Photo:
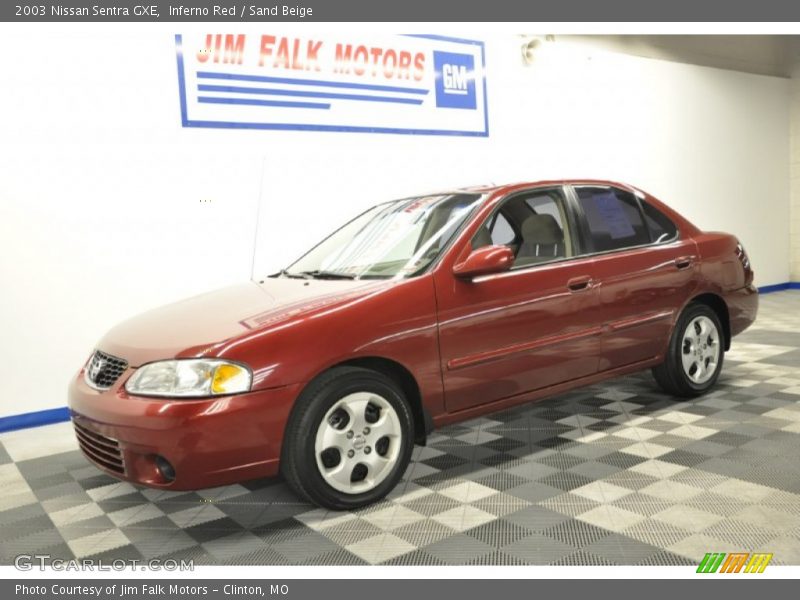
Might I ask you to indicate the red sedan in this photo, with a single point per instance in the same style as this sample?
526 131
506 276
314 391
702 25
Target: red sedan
417 313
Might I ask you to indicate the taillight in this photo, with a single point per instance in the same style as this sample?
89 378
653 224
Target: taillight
742 256
745 260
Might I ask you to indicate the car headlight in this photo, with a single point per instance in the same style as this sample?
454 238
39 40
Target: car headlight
190 378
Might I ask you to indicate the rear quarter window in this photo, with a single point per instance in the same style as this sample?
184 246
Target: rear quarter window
662 229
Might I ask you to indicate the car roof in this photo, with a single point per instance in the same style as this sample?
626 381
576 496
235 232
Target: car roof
492 188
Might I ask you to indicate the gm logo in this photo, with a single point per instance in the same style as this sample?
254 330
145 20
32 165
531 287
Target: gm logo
455 80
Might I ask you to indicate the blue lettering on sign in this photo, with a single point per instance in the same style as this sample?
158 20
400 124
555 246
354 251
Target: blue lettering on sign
455 80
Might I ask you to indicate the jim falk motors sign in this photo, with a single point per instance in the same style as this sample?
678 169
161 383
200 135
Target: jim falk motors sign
412 84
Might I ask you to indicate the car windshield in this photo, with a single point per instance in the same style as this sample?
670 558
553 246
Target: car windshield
396 239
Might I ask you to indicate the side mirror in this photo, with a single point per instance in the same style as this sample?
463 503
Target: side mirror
485 261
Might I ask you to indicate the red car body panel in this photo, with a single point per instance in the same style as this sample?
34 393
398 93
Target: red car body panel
469 347
211 441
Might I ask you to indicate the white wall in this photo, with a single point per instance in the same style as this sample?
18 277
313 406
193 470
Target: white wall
795 176
100 188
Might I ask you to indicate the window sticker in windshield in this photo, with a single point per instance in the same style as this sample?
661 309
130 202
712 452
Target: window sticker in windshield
388 238
421 203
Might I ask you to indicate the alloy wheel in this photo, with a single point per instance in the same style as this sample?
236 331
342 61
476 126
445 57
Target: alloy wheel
700 350
358 442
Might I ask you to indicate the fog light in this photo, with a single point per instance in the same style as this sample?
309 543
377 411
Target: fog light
165 469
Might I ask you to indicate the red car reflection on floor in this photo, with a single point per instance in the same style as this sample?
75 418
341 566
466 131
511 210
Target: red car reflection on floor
417 313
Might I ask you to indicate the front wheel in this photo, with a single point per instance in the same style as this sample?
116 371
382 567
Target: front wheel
349 439
695 354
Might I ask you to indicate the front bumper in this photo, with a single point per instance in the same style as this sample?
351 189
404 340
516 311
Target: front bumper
209 442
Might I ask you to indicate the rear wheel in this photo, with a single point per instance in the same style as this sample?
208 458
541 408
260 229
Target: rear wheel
695 354
349 439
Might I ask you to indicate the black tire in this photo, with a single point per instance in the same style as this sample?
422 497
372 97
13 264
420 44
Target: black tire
299 463
671 374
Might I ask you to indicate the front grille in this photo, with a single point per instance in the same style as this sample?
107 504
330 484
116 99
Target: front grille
100 449
103 370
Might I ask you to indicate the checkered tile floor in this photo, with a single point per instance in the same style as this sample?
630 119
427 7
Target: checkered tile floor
616 473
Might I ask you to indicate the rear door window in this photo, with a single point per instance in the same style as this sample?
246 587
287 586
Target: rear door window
613 217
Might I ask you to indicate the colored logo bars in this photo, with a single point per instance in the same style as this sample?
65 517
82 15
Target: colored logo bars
736 562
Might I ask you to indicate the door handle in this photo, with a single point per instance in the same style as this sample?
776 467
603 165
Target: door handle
684 262
579 284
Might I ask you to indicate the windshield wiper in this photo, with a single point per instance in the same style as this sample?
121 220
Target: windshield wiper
318 274
285 273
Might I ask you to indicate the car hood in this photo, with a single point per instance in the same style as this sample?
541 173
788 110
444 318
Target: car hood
193 326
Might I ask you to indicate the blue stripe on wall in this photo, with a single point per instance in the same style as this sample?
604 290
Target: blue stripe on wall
59 415
779 287
34 419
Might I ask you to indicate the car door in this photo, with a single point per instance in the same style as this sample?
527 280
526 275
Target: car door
534 326
644 272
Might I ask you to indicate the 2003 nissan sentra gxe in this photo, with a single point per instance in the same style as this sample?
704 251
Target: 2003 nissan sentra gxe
419 312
